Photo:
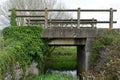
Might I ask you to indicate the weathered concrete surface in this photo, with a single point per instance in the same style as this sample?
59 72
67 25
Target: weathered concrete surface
64 32
80 60
82 38
88 51
68 42
107 30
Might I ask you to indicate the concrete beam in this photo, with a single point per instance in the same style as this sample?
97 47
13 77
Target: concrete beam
67 42
67 32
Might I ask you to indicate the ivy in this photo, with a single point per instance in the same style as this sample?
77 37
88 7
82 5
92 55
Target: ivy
13 18
23 45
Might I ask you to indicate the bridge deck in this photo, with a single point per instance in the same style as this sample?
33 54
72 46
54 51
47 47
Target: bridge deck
67 32
64 32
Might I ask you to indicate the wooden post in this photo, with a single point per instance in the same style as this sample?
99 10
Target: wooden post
71 23
46 18
50 23
78 18
111 18
29 22
93 22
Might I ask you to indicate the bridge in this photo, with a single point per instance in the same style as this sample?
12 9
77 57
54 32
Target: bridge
71 32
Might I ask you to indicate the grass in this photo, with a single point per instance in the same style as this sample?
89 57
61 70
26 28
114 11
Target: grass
62 58
53 76
65 49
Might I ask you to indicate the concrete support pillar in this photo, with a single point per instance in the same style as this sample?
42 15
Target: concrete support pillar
80 61
88 50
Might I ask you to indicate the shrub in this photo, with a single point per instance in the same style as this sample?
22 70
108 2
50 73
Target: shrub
22 45
103 41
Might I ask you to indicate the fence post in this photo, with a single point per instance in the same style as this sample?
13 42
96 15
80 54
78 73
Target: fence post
29 22
71 23
78 18
50 23
93 22
111 18
46 18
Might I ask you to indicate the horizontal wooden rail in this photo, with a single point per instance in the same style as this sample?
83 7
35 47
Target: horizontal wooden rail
29 16
61 19
69 21
65 10
46 21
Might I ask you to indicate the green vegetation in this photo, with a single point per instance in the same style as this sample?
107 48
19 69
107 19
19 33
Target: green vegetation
107 64
62 58
54 76
104 40
23 45
13 18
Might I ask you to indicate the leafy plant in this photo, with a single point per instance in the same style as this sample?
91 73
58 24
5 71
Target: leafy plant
13 18
104 40
23 45
107 65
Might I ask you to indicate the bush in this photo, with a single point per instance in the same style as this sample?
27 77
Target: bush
107 65
101 42
22 45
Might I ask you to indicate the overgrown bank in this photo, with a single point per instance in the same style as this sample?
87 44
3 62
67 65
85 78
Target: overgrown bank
21 45
106 57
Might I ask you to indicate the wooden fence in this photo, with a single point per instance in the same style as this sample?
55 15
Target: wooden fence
46 21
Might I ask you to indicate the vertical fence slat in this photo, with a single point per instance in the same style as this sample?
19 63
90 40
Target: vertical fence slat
111 18
78 18
46 18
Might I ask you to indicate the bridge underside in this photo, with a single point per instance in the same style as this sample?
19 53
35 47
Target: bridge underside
67 42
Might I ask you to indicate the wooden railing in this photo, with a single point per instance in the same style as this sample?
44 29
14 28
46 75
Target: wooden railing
47 22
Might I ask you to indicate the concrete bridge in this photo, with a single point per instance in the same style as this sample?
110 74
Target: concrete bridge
70 32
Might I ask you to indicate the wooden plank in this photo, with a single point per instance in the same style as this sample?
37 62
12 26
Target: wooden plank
64 10
29 16
62 20
72 22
